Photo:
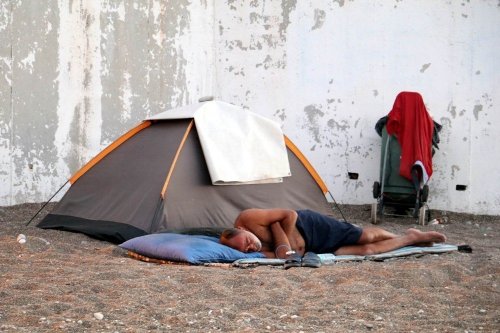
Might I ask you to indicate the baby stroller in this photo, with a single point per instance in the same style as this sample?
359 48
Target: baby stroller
408 133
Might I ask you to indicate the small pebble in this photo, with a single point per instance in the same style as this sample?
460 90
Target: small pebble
98 316
21 238
79 322
482 311
378 318
369 326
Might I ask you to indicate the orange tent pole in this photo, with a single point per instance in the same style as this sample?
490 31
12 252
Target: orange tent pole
306 164
176 157
109 149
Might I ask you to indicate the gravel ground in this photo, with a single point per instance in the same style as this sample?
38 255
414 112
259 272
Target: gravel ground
67 282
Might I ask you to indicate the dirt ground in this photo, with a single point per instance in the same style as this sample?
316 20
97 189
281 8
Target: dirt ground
67 282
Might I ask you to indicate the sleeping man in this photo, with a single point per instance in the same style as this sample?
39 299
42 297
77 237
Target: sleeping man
278 233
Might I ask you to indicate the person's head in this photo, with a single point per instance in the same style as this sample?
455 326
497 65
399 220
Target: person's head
241 240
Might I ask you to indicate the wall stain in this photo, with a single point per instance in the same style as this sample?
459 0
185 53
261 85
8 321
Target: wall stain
221 29
424 67
319 19
255 17
231 6
336 125
143 70
477 108
340 2
280 113
268 62
452 110
287 6
27 99
454 168
236 44
313 113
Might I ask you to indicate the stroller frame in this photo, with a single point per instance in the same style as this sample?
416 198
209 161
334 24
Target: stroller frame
395 191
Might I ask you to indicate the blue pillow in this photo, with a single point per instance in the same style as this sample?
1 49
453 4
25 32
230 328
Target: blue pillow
195 249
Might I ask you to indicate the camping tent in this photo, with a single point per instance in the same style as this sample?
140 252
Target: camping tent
154 178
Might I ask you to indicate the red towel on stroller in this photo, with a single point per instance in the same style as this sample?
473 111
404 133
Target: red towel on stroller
412 125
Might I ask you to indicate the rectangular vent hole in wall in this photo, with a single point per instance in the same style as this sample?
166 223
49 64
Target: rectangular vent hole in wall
353 175
461 187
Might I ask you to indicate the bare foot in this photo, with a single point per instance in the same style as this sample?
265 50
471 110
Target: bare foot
425 238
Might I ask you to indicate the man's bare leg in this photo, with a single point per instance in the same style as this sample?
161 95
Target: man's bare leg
411 237
375 234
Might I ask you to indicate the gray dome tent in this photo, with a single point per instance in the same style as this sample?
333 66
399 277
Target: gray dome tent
155 178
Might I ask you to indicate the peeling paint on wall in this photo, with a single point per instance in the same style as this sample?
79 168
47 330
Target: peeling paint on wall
454 168
287 6
319 19
340 2
477 108
280 113
75 75
79 110
424 67
146 73
334 71
33 98
313 113
452 110
6 134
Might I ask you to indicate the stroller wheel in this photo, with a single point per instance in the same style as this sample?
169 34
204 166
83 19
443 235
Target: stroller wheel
424 194
376 190
373 216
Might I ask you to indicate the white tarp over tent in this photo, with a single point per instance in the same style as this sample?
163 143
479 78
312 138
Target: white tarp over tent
239 146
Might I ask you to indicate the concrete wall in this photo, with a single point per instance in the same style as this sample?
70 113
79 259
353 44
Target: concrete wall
75 75
328 70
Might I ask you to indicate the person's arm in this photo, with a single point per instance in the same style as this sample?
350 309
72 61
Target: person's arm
280 222
250 218
288 221
280 240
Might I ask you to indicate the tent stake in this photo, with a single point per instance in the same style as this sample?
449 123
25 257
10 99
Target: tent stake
46 203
